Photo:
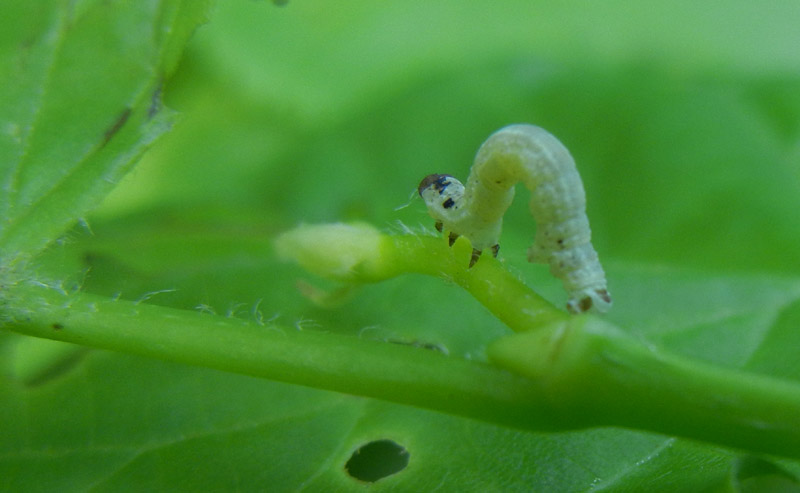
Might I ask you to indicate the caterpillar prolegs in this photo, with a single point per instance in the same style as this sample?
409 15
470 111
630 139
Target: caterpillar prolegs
531 155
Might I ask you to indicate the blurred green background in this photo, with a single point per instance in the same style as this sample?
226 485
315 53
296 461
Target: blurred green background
684 120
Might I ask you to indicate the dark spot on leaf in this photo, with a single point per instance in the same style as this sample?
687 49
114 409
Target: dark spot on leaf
448 203
89 258
57 326
377 460
118 124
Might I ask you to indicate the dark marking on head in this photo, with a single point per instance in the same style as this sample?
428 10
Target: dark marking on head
439 226
451 238
118 124
57 326
603 294
476 254
439 182
495 250
448 203
585 304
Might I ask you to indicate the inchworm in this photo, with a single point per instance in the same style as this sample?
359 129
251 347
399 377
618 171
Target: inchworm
531 155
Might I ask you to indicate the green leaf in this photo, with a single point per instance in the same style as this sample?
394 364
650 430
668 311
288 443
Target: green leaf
81 102
683 119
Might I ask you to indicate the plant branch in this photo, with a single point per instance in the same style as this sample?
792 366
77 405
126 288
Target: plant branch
403 374
571 372
594 372
359 254
591 372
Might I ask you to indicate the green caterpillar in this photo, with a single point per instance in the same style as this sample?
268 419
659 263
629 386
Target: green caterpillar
531 155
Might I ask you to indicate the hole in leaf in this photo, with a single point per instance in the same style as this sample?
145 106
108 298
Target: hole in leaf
376 460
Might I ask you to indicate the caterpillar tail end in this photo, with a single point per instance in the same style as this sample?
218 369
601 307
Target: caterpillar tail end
590 300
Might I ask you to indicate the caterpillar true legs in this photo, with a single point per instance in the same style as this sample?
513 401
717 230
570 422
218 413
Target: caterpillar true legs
531 155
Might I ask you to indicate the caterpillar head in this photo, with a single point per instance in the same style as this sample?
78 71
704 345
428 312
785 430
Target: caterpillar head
442 194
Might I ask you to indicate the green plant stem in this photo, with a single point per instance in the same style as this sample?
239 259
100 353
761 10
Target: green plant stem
348 364
596 375
508 298
360 254
592 371
571 372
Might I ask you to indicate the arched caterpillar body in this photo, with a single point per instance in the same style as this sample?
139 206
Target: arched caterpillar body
531 155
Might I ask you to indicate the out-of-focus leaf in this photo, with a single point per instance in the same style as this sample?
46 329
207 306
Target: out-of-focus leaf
80 103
